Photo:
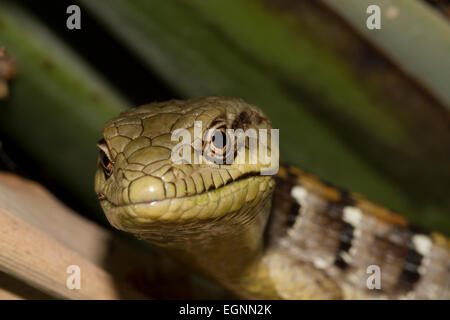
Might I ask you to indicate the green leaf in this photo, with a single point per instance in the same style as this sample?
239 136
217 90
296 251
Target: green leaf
57 105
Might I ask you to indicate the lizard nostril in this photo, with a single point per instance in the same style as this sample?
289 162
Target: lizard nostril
101 196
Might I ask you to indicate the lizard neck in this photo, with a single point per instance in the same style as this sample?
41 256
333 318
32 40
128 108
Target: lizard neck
234 257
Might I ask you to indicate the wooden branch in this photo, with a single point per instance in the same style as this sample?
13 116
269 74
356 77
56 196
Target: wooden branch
36 258
14 289
40 238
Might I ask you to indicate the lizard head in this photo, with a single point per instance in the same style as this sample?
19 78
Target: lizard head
174 168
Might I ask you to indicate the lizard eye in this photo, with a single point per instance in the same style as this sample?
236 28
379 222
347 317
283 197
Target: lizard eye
217 144
105 160
219 140
106 164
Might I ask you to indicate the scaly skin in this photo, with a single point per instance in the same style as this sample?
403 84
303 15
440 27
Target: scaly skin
214 216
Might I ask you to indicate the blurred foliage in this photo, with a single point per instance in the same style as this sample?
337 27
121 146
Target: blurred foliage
57 104
410 32
360 109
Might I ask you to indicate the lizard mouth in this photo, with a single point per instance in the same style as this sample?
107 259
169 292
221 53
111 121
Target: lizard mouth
209 205
212 189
